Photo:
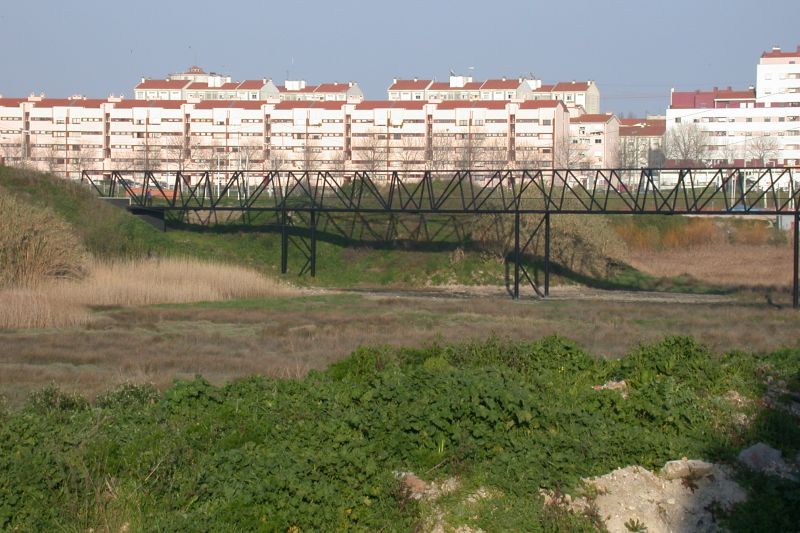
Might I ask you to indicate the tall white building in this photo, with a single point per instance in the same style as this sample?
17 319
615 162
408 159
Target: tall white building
755 126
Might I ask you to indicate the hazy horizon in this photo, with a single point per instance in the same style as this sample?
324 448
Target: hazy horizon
635 52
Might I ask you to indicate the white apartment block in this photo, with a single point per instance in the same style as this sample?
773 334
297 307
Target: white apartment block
463 88
641 142
593 142
195 84
583 96
753 127
64 136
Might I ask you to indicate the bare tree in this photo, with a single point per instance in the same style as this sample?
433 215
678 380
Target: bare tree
441 152
412 153
763 148
175 152
569 153
370 152
633 152
687 144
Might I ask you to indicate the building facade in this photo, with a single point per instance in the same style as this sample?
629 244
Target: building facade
65 136
750 127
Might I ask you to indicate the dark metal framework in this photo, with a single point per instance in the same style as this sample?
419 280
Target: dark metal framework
305 196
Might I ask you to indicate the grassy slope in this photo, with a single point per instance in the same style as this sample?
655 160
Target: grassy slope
110 232
319 453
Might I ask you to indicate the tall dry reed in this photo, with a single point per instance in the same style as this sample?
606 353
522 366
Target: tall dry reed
128 283
36 245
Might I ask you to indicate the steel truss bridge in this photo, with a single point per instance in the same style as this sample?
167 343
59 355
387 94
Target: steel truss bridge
295 200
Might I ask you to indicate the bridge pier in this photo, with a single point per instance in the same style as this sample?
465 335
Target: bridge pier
516 255
796 271
284 243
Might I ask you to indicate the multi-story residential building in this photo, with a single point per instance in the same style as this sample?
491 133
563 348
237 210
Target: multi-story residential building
580 97
575 94
641 142
196 84
324 92
755 126
778 78
594 141
463 88
66 136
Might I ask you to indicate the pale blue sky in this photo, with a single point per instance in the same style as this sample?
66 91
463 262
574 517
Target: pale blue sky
635 50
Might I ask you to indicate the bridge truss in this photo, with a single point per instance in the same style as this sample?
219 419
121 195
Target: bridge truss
294 199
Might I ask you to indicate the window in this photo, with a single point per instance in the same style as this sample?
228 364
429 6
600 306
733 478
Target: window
598 141
547 122
463 122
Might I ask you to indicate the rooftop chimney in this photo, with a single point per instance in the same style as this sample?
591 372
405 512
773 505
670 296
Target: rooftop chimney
776 48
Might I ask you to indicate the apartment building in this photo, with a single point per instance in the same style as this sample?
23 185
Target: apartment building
196 84
754 126
463 88
579 96
641 142
65 136
594 142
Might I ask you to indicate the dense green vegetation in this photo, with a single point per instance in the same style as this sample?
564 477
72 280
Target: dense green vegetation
321 453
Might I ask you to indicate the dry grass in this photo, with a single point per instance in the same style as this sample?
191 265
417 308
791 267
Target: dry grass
65 303
721 264
285 337
36 245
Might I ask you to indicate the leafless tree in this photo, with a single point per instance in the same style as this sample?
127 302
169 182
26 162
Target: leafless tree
569 153
441 152
632 152
412 153
762 148
370 151
687 144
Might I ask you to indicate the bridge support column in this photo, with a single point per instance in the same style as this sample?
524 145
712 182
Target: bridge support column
547 254
516 255
284 243
313 258
796 271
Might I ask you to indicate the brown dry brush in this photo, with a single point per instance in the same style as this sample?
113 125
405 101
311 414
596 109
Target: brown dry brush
36 245
582 244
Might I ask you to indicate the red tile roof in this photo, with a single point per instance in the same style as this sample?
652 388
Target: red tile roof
707 99
251 84
637 127
301 104
439 86
592 118
198 85
544 89
163 84
332 87
540 104
229 104
569 86
410 85
230 86
478 104
500 84
780 53
11 102
166 104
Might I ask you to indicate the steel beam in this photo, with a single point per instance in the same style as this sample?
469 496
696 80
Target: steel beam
516 255
547 254
284 242
796 258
